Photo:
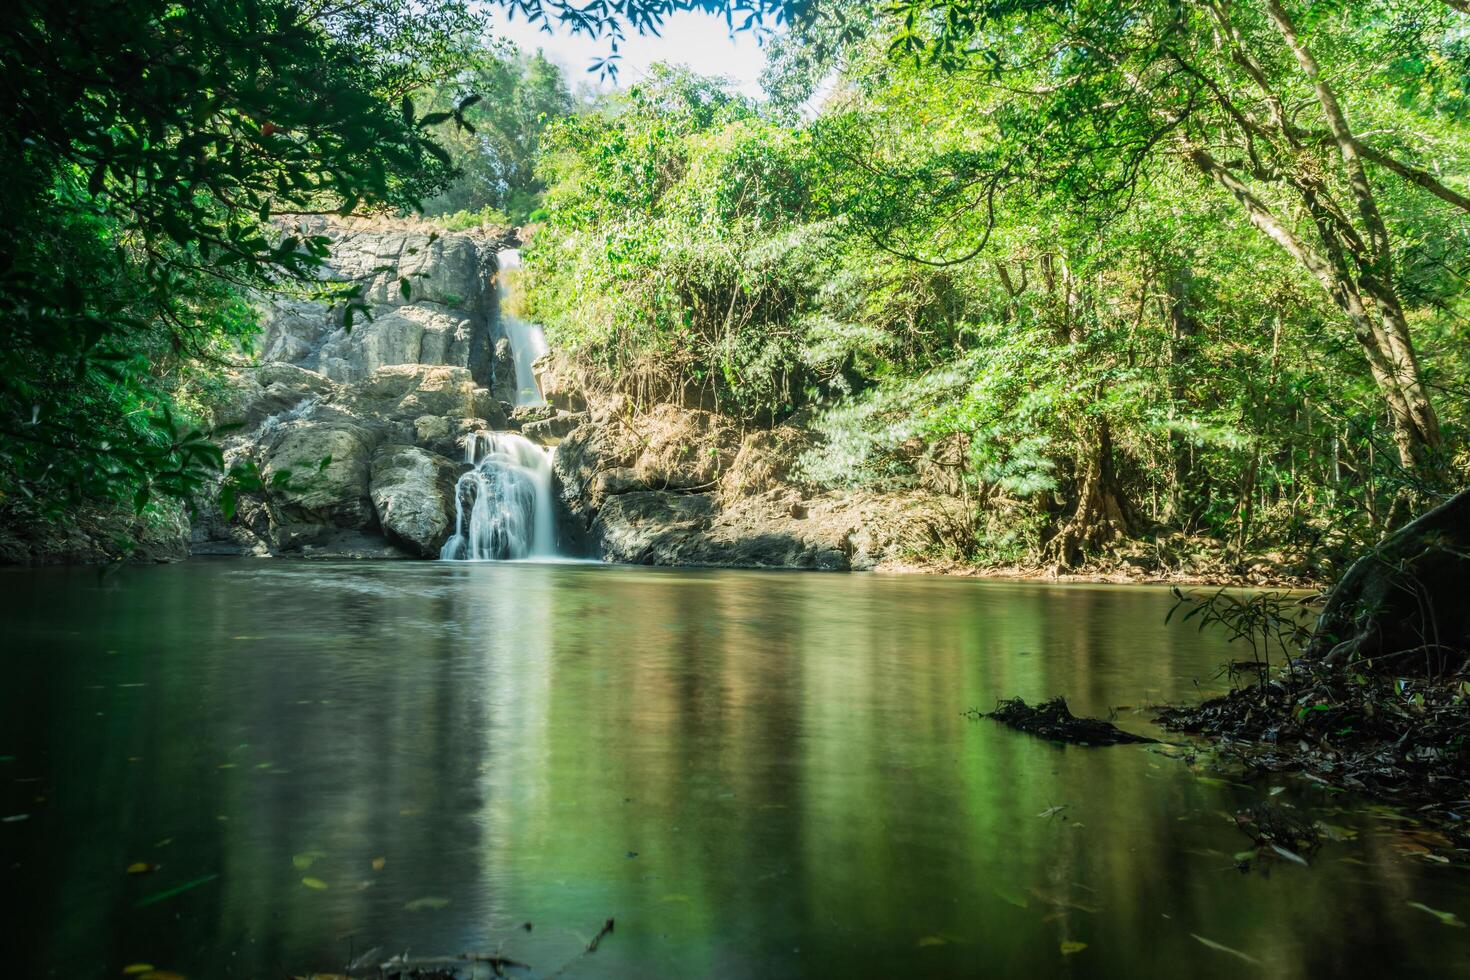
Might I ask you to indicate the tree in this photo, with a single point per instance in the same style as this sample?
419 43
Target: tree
1099 92
496 152
152 149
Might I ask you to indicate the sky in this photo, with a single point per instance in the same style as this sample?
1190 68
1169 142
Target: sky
698 40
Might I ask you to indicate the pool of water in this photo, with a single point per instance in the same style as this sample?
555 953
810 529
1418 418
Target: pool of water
758 775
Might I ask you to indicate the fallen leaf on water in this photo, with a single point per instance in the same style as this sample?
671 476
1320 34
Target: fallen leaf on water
134 968
170 893
1226 949
1292 856
930 941
141 868
316 883
379 863
1069 947
1448 918
1012 898
306 859
427 902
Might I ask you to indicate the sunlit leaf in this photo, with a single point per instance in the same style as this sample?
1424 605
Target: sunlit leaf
1221 947
1446 918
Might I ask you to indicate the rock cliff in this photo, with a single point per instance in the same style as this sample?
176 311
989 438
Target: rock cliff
356 433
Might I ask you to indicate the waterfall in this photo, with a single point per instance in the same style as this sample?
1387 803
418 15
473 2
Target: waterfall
527 341
502 506
507 494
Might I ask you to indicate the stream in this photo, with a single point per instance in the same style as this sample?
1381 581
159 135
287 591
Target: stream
759 775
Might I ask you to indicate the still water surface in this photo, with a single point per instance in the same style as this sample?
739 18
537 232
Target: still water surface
757 775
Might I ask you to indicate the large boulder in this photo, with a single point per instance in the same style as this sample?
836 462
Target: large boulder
648 528
316 475
94 534
423 333
777 529
413 492
560 382
249 396
410 391
670 448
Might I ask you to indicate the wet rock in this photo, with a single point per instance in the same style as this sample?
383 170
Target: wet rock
503 371
317 474
413 493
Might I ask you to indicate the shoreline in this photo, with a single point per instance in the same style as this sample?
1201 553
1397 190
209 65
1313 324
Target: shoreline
1037 575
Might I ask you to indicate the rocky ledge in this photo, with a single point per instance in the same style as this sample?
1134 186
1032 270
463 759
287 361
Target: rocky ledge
679 486
350 441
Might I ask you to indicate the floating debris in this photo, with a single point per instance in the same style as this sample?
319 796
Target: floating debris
1053 720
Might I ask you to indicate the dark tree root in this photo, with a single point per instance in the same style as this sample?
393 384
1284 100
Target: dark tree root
1405 606
1053 720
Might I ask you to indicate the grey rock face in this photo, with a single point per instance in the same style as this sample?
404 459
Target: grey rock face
444 319
413 493
550 432
348 470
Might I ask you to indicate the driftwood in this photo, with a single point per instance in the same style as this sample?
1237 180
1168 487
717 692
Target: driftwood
1053 720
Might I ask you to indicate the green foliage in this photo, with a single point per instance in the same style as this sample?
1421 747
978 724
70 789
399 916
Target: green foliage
495 152
1012 292
153 149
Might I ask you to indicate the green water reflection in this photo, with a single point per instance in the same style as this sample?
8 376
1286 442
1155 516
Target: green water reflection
756 775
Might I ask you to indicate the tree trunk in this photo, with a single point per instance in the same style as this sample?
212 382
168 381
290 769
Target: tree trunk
1104 514
1184 328
1415 423
1416 430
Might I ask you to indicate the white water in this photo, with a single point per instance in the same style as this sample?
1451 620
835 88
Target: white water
527 340
502 506
508 497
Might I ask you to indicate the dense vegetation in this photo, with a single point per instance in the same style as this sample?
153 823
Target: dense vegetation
149 146
1184 273
1184 269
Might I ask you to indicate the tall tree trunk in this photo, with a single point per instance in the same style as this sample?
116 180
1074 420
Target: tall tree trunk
1183 328
1104 514
1416 424
1416 432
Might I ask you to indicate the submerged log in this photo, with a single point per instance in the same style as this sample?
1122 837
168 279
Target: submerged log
1404 606
1053 720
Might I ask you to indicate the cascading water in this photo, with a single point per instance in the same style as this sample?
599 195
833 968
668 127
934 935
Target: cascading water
527 340
502 506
